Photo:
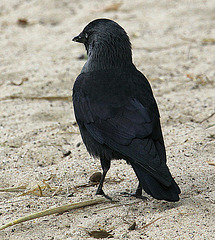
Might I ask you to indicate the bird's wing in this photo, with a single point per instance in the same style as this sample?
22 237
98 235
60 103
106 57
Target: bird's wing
128 128
120 125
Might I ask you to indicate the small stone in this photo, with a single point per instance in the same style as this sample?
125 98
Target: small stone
96 177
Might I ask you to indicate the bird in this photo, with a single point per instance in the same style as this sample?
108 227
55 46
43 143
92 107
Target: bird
116 111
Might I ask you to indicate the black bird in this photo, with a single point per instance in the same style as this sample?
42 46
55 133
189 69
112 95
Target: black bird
116 111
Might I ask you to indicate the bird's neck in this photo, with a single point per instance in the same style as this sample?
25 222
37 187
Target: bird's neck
103 56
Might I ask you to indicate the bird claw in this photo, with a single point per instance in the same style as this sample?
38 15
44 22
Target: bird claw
125 194
103 194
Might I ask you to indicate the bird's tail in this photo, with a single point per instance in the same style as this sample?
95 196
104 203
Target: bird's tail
154 188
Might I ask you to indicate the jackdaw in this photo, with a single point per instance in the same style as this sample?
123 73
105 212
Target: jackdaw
116 111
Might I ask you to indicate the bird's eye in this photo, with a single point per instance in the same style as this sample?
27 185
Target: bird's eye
86 35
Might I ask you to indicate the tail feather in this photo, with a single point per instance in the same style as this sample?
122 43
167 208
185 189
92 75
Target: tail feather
154 188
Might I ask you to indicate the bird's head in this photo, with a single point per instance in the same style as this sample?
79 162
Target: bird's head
105 39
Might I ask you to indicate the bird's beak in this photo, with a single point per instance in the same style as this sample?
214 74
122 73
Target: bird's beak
80 38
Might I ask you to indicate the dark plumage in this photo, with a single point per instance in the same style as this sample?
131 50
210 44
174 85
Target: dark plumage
116 112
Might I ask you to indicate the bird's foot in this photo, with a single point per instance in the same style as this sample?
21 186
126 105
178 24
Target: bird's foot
101 192
140 196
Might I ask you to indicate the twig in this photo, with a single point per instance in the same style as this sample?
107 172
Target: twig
211 163
13 189
38 190
48 98
205 119
169 215
85 185
209 126
55 210
20 83
148 224
207 41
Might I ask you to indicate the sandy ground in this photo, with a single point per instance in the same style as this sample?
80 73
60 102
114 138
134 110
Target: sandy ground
173 44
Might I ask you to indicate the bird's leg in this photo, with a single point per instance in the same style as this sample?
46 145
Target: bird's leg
137 194
105 167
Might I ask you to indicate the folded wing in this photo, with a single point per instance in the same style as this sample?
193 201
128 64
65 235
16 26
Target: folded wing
130 129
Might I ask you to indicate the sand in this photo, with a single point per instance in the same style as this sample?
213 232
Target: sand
173 44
